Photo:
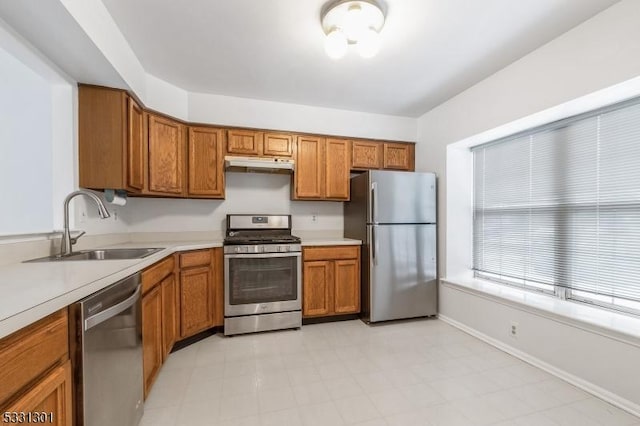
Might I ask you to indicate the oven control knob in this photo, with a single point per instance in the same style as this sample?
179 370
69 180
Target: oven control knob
236 249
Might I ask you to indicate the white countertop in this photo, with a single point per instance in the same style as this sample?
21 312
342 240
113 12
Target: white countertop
330 241
31 291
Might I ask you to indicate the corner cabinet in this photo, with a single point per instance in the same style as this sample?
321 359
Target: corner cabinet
197 291
121 146
159 321
167 151
181 296
322 169
331 281
112 146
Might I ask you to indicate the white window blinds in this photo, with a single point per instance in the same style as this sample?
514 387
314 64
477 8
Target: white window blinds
559 207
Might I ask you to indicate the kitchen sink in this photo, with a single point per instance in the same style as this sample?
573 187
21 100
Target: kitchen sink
102 254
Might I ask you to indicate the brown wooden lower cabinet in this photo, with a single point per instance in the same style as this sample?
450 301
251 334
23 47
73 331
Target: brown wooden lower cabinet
196 300
331 281
170 309
49 401
318 280
182 296
151 336
35 372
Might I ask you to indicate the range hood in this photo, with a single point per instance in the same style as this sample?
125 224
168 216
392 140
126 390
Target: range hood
259 165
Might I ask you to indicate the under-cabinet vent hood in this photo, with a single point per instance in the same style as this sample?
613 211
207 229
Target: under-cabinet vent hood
258 165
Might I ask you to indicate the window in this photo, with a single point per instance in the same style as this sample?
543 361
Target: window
557 208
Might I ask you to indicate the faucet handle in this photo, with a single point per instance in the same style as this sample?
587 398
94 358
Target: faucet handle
77 237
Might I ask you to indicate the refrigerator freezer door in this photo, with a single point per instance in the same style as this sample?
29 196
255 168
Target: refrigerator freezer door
402 197
402 272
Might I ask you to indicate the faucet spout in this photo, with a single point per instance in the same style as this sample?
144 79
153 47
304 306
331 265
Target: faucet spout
66 245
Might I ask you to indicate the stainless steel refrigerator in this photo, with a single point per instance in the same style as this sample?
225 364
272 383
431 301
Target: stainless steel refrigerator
394 214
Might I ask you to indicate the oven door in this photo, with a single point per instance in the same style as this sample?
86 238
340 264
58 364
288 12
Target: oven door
262 283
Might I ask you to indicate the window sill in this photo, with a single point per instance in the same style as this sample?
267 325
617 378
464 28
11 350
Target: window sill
615 325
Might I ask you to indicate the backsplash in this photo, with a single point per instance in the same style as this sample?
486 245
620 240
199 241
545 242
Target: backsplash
245 193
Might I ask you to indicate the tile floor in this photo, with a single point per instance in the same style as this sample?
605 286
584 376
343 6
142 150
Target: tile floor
408 373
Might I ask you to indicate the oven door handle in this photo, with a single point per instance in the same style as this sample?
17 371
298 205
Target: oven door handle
263 255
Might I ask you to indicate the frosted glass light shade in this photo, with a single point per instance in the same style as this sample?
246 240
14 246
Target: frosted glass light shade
336 44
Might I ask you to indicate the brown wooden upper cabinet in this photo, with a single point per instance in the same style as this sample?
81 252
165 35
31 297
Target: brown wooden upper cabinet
112 140
366 155
205 162
167 149
278 145
308 176
244 142
398 156
322 169
379 155
336 169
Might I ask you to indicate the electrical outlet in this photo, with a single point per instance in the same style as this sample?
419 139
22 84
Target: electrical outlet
314 217
83 216
114 213
513 331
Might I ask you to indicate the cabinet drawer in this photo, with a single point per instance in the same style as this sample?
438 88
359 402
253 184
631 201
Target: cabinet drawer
28 353
155 273
330 253
195 258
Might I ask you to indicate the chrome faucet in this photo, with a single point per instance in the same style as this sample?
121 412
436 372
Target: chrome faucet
67 241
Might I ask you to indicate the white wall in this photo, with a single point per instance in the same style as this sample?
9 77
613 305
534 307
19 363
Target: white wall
599 53
26 146
233 111
245 193
605 365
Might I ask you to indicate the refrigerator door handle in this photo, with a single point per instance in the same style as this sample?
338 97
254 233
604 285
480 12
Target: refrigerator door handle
374 202
374 246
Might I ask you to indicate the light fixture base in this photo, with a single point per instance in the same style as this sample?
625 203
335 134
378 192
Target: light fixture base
333 15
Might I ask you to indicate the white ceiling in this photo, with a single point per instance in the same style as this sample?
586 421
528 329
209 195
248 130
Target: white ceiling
273 50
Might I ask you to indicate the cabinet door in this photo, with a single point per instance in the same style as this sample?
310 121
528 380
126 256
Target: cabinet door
366 155
317 288
206 162
244 142
278 144
136 146
50 396
151 336
397 156
166 156
169 290
218 284
337 166
347 286
196 300
309 168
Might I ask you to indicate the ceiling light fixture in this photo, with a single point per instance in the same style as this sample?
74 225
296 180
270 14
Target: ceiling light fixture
352 22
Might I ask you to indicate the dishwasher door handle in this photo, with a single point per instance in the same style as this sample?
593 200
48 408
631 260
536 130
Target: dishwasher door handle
111 312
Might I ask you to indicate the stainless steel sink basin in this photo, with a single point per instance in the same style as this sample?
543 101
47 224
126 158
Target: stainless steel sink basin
102 254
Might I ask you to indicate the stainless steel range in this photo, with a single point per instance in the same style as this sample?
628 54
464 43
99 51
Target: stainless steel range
262 274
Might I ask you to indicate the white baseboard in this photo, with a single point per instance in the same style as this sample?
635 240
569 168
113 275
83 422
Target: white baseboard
589 387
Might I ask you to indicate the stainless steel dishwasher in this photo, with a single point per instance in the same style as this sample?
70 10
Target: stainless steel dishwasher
108 355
